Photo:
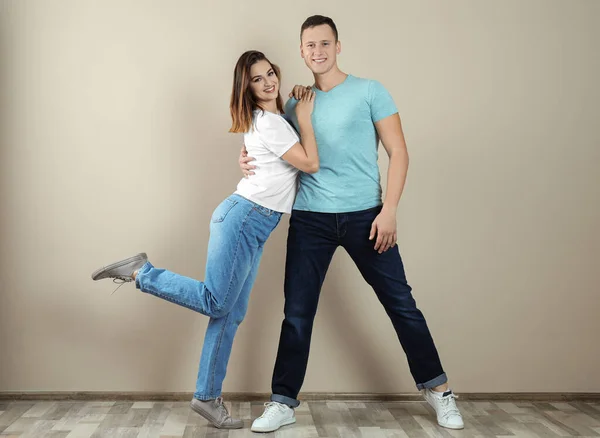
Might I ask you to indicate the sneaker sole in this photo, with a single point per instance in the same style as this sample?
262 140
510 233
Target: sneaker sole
96 274
452 427
273 429
212 421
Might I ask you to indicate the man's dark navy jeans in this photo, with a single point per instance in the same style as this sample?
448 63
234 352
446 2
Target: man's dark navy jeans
312 241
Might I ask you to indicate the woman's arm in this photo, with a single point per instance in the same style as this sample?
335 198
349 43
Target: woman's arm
305 156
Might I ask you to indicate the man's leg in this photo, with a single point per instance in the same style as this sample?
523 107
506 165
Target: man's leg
312 241
385 273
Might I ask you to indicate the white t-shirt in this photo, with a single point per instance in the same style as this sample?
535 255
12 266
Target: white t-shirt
274 183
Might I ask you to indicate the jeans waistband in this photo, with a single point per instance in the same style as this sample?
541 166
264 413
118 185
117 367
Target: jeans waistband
264 210
347 213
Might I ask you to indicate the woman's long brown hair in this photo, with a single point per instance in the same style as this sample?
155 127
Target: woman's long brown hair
243 101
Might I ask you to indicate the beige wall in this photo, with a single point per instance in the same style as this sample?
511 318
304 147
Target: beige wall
114 120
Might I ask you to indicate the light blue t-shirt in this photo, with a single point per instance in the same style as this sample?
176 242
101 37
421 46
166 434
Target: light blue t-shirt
343 120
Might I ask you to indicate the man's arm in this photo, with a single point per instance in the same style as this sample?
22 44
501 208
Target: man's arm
390 132
243 160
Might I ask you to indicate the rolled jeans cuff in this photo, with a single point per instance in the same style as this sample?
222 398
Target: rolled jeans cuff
439 380
291 402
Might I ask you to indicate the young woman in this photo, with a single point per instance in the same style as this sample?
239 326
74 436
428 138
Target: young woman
239 226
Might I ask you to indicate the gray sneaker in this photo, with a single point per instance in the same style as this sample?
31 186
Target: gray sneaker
123 270
216 413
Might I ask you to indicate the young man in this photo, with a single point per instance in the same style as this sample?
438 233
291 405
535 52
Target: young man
341 206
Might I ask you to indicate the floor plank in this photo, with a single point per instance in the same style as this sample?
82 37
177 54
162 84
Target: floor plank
314 419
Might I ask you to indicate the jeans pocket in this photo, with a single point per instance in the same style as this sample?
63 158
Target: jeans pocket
222 210
262 210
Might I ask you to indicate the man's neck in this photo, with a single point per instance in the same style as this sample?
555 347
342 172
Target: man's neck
330 80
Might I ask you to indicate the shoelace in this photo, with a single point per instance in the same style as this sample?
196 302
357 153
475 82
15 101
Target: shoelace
221 406
449 405
271 409
121 281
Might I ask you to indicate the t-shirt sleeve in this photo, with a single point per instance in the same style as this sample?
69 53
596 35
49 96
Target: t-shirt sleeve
381 102
290 113
275 133
290 106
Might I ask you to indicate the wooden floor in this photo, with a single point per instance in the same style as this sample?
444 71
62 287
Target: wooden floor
314 419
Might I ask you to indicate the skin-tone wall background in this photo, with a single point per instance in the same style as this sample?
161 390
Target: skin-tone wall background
113 135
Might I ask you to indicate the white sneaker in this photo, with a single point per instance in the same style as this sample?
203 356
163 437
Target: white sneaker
275 416
444 405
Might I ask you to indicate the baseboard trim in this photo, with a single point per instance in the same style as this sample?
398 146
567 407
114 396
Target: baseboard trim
307 396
